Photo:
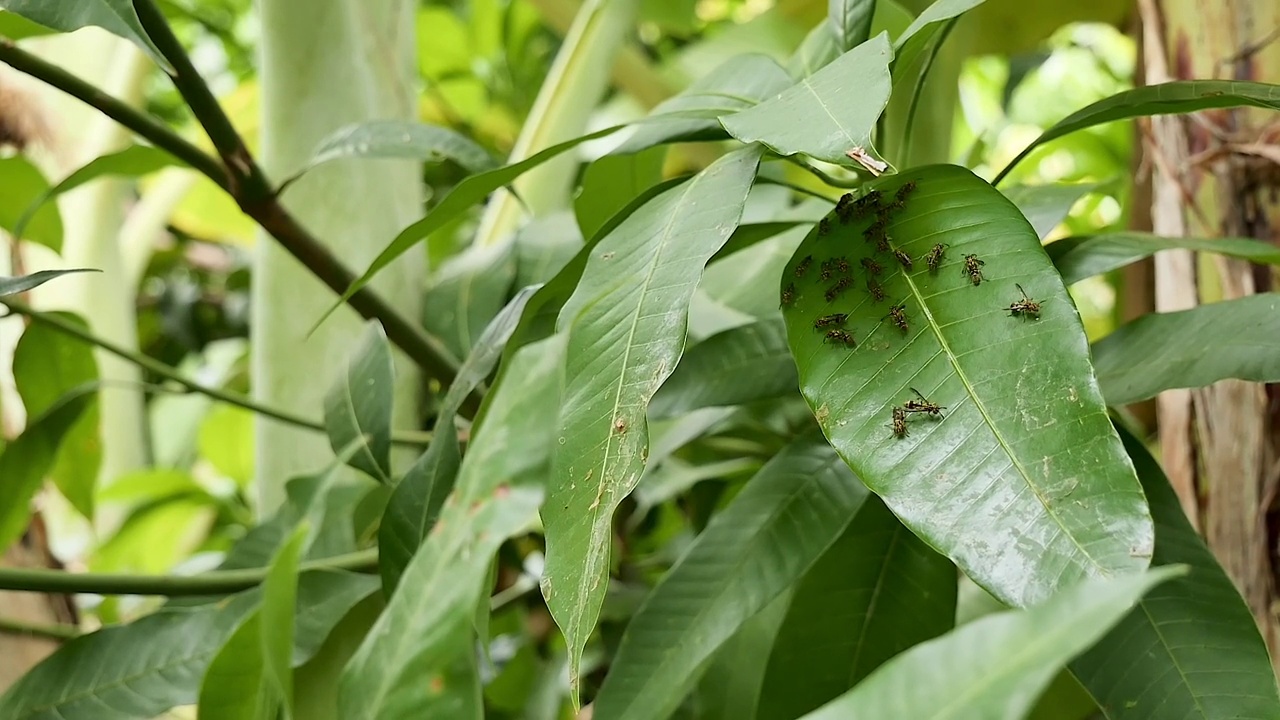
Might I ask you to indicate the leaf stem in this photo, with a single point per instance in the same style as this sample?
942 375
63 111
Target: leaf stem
417 439
216 582
10 626
822 175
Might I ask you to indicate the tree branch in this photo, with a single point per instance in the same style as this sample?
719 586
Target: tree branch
10 626
216 582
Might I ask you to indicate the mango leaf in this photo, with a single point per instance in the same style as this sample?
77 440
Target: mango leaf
876 592
626 325
611 182
850 21
465 294
766 539
357 408
1084 256
115 16
419 658
1180 96
16 27
1193 348
997 666
398 139
279 598
737 366
1021 479
416 501
29 457
324 599
46 362
1191 648
916 40
23 283
544 246
840 105
1046 206
740 82
235 685
133 161
729 689
21 184
817 50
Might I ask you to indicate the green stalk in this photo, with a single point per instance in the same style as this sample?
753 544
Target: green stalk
10 626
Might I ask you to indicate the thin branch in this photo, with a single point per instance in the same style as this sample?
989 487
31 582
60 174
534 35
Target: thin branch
10 626
140 123
823 176
416 439
216 582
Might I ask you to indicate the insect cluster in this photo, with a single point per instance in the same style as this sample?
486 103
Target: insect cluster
835 274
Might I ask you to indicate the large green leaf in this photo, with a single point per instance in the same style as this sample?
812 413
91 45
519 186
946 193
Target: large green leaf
1023 482
626 325
741 82
46 362
851 21
235 684
16 27
357 408
737 366
1190 650
729 689
1181 96
613 181
766 539
839 105
21 185
916 39
398 139
995 667
419 658
23 283
465 294
279 600
1087 255
544 246
115 16
28 457
417 498
876 592
820 47
1160 351
1046 206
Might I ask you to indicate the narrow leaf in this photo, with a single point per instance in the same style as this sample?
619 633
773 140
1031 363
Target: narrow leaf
839 104
611 182
1190 649
1081 257
766 539
730 687
930 21
1193 348
357 408
995 667
466 293
1046 206
737 366
1181 96
851 21
279 597
23 283
1020 478
115 16
399 139
876 592
235 685
626 325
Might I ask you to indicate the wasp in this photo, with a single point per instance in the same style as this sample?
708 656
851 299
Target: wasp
827 321
841 285
1026 307
803 266
934 258
899 423
903 258
789 294
872 266
973 269
844 206
898 315
840 337
828 267
876 290
842 264
904 190
923 405
866 204
874 231
824 227
882 243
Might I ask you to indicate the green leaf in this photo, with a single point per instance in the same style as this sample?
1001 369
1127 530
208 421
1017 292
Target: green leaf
398 139
626 325
1181 96
921 30
1191 648
46 362
729 689
1022 482
737 366
850 21
16 27
765 540
235 685
1084 256
741 82
29 457
544 246
419 658
21 184
612 182
997 666
1046 206
1193 348
839 105
876 592
357 408
471 190
226 440
324 599
279 598
820 47
115 16
133 161
23 283
416 501
466 293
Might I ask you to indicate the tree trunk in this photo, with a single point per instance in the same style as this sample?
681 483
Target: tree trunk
1219 444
